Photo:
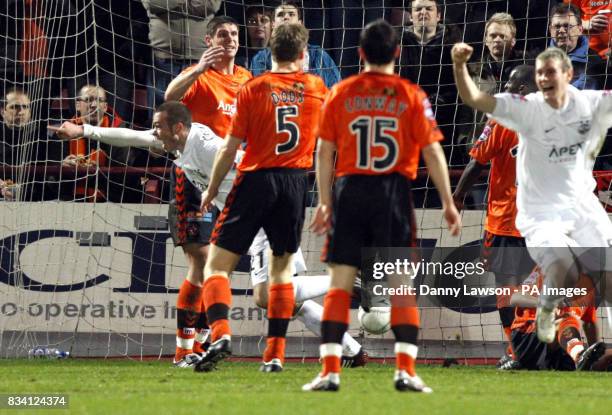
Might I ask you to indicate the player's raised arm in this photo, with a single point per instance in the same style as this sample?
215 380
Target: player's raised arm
224 160
469 92
325 175
433 155
120 137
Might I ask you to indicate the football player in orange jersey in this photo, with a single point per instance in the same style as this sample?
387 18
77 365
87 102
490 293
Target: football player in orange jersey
209 87
276 116
377 124
503 247
577 313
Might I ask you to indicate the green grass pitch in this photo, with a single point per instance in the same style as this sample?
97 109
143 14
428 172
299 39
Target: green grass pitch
154 387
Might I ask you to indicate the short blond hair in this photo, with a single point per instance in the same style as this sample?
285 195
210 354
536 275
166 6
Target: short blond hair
503 19
558 54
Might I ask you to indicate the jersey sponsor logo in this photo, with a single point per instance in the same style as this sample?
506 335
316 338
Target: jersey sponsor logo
227 109
565 153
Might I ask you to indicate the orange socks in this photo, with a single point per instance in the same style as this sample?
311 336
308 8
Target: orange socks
189 307
218 299
405 326
336 307
281 301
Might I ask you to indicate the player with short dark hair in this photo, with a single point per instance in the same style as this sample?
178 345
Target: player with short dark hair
209 87
377 124
561 130
276 115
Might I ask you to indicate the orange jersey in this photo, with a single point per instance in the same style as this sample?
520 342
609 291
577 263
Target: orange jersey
582 307
599 41
499 146
276 115
212 98
379 124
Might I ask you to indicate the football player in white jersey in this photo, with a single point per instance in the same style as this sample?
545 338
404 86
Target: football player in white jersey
561 130
195 146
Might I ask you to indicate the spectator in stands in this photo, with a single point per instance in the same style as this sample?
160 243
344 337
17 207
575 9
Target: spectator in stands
24 145
596 23
93 109
425 59
500 57
492 72
259 30
316 61
566 33
177 29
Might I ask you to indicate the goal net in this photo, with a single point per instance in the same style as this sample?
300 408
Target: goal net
86 260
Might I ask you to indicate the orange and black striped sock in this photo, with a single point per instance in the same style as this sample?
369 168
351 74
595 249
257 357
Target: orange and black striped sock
218 299
281 301
188 308
405 327
202 329
336 307
569 336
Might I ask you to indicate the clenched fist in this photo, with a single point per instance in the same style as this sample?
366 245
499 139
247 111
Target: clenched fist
461 53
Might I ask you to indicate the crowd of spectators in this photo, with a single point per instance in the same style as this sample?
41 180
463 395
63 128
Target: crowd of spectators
117 59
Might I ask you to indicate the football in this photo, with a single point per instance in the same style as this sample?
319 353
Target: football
375 321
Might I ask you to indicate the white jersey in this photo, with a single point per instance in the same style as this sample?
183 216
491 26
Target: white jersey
557 147
198 157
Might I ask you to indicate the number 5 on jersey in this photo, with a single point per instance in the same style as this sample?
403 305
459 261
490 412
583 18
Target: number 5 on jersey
284 125
371 133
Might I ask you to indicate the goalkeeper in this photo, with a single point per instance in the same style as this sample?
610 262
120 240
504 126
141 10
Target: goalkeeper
195 146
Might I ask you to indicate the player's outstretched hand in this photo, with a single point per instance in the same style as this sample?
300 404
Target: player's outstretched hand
207 197
461 53
453 219
67 131
209 57
321 221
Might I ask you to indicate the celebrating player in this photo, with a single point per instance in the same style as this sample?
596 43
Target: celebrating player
560 130
209 90
377 123
197 146
503 247
276 114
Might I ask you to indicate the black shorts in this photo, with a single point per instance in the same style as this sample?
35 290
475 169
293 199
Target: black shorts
272 199
369 211
535 355
185 220
506 256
